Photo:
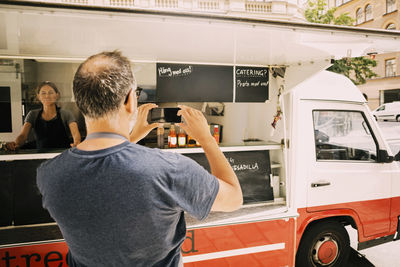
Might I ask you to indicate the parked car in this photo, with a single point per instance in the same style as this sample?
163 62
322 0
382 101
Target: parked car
388 111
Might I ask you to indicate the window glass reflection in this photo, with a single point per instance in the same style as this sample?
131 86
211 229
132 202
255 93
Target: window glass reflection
343 135
368 13
48 119
29 88
390 6
359 16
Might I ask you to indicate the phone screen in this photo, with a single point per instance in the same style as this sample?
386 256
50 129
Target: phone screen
164 115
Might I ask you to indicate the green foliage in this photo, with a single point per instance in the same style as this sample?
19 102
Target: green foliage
358 69
343 19
317 12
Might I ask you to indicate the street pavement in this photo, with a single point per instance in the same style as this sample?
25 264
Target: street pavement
385 255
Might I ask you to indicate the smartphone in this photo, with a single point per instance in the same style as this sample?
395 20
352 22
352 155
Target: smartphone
164 115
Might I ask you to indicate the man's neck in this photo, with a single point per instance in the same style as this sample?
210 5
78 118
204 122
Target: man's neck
104 125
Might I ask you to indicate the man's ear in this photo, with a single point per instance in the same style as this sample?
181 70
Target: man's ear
130 103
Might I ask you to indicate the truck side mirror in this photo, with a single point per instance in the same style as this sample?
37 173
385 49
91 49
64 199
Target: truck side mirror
383 157
397 157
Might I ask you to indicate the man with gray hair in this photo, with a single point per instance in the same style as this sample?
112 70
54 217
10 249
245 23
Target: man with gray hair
121 204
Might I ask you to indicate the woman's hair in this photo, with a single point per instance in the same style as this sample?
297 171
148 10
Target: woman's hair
51 84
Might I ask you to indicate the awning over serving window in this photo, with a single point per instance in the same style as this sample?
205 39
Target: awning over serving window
60 32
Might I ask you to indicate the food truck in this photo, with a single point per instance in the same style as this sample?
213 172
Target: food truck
309 155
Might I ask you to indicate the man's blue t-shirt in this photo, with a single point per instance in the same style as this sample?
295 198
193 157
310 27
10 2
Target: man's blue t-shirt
123 206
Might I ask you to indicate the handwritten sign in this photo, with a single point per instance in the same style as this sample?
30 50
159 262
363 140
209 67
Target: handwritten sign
253 170
210 83
252 84
177 72
194 83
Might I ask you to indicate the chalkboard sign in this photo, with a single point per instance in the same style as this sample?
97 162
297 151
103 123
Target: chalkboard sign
194 83
253 170
252 84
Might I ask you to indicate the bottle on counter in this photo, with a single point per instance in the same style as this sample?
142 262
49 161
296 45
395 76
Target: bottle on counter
160 137
216 133
172 140
181 138
190 141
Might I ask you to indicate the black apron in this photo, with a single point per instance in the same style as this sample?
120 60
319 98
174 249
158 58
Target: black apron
52 133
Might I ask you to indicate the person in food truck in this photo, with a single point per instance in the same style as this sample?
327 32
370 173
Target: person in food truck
118 203
51 124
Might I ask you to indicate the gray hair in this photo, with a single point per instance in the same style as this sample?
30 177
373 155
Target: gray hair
101 83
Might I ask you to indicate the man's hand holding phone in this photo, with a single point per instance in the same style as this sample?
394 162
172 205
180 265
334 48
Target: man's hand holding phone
142 127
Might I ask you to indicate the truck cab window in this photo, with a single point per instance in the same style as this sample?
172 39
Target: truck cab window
343 135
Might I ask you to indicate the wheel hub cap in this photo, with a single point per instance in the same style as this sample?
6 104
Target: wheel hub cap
325 251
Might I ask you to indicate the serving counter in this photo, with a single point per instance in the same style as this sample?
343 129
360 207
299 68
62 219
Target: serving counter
23 220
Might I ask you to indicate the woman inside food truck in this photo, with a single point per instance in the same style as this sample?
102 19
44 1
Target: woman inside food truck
50 123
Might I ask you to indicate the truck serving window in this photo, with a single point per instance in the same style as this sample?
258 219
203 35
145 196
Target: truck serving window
343 135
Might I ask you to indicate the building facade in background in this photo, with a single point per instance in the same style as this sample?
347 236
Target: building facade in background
381 14
289 10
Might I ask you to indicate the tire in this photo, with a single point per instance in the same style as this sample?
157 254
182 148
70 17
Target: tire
326 243
376 118
398 118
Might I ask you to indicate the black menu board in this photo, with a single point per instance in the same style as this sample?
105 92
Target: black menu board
253 169
252 84
194 83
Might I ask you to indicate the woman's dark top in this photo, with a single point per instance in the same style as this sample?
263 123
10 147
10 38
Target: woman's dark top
53 133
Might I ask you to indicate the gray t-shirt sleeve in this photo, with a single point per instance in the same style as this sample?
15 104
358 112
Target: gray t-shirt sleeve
194 188
32 116
67 117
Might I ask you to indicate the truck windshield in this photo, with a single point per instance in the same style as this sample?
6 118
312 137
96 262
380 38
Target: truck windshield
342 135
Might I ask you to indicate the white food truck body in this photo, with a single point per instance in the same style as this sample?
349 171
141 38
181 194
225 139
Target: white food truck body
331 164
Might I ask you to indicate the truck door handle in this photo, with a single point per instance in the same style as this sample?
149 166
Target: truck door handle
319 184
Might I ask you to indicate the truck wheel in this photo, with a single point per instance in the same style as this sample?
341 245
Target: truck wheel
324 244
